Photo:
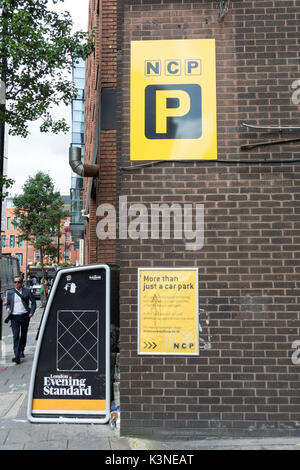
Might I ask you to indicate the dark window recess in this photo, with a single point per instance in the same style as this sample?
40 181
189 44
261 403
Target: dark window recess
93 190
97 76
108 109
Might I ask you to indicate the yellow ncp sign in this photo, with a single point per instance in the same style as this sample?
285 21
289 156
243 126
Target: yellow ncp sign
173 100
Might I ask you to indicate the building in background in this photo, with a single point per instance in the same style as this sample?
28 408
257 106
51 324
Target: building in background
68 251
76 191
13 244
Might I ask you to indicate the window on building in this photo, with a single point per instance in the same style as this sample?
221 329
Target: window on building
8 223
78 127
20 258
77 138
20 242
3 240
78 110
15 223
79 82
11 241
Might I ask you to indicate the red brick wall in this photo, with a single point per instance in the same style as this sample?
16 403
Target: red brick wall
249 265
101 72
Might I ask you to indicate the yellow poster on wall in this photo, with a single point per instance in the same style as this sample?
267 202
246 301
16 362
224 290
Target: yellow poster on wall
168 311
173 100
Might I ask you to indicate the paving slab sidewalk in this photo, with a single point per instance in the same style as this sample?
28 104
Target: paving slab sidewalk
17 433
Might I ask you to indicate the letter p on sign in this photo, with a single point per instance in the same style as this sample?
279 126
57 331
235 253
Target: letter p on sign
173 112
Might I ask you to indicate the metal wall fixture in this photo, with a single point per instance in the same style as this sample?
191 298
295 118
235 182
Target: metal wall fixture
272 128
80 168
270 142
223 8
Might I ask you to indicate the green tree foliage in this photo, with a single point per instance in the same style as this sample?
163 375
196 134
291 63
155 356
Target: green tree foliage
40 210
5 184
37 49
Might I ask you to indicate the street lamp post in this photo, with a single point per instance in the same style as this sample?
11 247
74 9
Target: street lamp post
2 134
3 67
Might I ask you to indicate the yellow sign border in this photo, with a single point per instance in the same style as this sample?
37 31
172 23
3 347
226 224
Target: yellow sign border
202 148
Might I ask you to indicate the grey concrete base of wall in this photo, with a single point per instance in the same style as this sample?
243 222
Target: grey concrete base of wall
192 434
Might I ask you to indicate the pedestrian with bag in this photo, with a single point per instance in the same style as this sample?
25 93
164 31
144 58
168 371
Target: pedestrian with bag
19 314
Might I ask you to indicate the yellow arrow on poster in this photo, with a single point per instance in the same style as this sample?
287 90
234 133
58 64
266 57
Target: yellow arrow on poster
168 311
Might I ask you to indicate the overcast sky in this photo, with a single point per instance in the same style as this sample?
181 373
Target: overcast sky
46 152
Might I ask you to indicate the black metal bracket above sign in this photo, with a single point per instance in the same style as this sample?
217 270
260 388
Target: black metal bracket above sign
279 129
272 128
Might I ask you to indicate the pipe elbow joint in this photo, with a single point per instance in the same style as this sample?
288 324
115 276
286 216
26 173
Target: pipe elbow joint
82 169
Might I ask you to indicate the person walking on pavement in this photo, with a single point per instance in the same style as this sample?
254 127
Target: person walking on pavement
19 314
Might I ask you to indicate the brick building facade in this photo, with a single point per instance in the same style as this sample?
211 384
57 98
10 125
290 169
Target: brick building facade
100 141
13 244
244 381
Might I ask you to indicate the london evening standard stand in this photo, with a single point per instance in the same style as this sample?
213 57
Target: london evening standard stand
71 379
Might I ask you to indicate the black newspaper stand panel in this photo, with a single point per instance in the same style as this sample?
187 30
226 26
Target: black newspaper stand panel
71 378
